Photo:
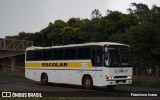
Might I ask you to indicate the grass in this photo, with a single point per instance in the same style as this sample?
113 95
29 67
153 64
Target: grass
11 74
146 83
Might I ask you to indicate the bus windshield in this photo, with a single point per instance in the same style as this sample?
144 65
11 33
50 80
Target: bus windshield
119 56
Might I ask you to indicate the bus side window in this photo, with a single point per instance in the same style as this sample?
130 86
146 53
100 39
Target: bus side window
80 53
73 53
99 57
47 54
57 54
37 55
29 56
60 54
86 53
70 54
83 53
93 57
67 54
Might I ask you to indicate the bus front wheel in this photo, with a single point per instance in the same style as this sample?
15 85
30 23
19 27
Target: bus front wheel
87 82
44 79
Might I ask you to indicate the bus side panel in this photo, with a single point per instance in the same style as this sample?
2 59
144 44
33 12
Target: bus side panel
65 76
73 76
53 75
33 74
37 74
70 77
29 74
98 78
77 75
62 76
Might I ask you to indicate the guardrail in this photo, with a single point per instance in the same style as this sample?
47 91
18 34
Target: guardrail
147 71
11 54
16 45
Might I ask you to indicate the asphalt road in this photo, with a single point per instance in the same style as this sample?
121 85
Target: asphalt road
63 90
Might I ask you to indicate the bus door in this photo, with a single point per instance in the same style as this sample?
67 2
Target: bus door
97 64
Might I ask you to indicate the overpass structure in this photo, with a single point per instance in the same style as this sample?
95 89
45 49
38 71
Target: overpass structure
10 50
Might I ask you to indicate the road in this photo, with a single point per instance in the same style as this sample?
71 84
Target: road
62 90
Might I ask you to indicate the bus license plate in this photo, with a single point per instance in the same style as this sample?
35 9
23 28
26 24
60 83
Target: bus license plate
120 81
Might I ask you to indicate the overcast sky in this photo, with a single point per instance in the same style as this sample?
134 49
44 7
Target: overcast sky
33 15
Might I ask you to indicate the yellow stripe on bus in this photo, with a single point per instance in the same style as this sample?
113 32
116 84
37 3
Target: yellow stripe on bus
59 64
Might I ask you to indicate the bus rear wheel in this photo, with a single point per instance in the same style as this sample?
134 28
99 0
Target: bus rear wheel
44 79
88 83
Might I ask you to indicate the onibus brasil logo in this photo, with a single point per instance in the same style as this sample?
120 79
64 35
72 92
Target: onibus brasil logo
24 94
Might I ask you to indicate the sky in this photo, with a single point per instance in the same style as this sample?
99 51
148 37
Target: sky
34 15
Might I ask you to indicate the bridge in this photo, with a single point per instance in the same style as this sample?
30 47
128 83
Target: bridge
12 52
16 45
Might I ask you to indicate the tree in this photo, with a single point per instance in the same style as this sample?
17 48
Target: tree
55 31
75 22
142 38
155 15
69 35
96 14
141 11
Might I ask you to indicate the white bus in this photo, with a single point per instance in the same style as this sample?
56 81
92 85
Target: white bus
89 64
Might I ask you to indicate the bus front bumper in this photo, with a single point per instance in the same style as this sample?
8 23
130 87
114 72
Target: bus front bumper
117 82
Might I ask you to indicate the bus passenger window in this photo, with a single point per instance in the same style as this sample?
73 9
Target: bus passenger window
93 57
80 53
87 52
30 55
99 57
37 55
57 54
98 61
47 54
70 54
83 53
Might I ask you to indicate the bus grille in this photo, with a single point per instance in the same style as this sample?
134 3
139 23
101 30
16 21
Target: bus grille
120 76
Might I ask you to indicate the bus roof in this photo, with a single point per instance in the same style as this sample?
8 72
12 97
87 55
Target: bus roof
77 45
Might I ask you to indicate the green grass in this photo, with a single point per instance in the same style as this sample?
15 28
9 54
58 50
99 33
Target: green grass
11 74
146 83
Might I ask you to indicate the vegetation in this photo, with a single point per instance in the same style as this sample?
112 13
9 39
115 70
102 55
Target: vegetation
140 28
143 82
11 75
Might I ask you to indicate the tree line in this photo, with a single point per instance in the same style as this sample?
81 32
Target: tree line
140 28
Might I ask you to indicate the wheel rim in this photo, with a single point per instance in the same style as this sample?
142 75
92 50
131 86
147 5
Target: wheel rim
44 79
87 82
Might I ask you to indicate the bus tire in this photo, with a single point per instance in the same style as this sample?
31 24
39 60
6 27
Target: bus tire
44 79
111 87
87 82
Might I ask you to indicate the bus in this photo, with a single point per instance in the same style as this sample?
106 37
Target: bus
104 64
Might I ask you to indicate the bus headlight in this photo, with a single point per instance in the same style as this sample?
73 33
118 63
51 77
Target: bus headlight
109 78
129 77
